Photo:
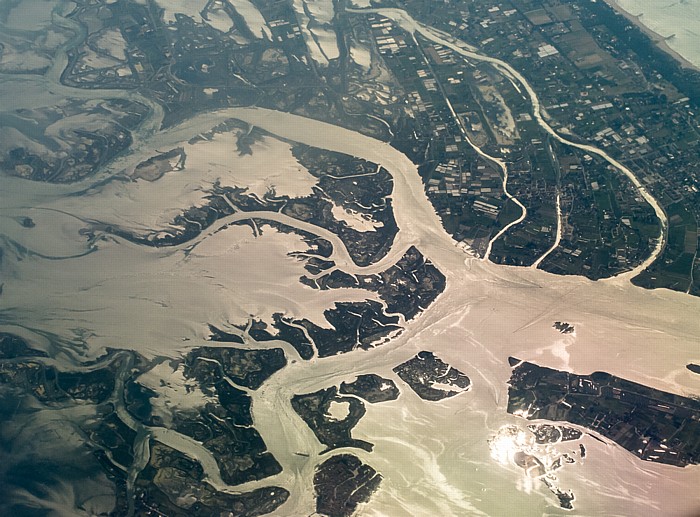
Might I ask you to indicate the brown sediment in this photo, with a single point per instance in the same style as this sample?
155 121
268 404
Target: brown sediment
658 39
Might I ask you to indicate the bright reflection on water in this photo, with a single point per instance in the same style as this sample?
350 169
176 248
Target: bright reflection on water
508 441
513 446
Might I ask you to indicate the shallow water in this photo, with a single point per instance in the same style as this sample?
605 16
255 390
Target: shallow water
680 19
434 457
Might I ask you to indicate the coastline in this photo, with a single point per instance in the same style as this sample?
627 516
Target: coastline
658 39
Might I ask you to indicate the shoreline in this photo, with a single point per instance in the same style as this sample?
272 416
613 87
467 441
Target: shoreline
656 38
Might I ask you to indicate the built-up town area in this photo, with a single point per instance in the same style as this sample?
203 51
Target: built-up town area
550 134
596 85
467 122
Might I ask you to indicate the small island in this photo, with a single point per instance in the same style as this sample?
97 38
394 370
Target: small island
547 433
431 378
331 417
652 424
341 483
695 368
372 388
563 327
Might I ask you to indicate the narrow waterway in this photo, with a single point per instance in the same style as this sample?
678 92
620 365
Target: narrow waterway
433 457
557 238
406 22
527 302
486 314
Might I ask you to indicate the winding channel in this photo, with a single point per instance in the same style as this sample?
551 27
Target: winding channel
409 24
499 162
428 432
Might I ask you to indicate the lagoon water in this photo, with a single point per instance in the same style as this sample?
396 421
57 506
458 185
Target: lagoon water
434 458
677 18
